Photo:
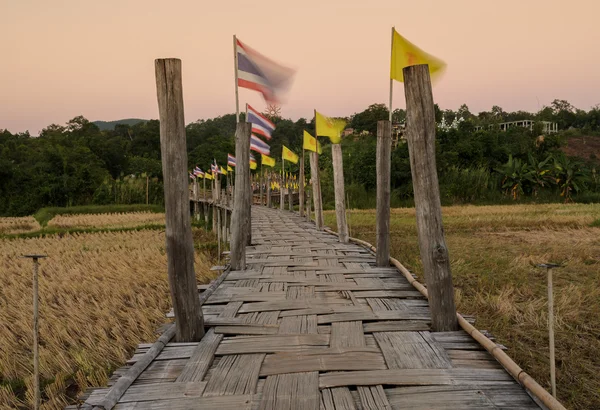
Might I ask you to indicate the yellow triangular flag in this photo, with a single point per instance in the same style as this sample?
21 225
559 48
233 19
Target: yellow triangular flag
310 143
329 127
229 169
267 161
405 53
288 155
223 171
253 165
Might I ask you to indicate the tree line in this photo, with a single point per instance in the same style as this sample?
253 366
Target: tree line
79 164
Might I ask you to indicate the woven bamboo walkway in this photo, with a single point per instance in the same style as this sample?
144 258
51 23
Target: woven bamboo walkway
313 324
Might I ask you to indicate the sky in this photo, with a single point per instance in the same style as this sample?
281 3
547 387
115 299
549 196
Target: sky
64 58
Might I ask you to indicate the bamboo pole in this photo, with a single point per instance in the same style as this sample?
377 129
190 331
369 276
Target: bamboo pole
338 182
383 166
301 186
240 206
281 185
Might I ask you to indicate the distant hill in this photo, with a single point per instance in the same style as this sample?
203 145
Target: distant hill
110 125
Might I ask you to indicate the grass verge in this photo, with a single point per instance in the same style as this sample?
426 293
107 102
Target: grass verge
44 215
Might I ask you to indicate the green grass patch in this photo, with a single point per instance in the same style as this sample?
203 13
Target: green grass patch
44 215
595 223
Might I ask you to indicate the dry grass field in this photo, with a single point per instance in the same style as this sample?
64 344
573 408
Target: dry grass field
100 295
18 225
114 220
493 250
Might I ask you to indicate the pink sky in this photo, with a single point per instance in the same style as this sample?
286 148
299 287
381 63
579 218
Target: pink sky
64 58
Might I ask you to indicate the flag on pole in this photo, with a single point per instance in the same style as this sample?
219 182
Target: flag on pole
252 162
230 160
192 176
222 171
229 169
260 124
256 144
310 143
329 127
267 161
208 175
288 155
214 168
405 54
198 172
259 73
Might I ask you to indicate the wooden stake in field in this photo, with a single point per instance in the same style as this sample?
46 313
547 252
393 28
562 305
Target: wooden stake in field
338 182
383 166
180 247
242 196
549 267
420 130
36 353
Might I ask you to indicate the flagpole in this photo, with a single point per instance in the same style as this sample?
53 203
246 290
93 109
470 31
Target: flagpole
391 80
235 70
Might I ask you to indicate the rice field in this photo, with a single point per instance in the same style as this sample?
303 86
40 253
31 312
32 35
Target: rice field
113 220
493 251
100 295
18 225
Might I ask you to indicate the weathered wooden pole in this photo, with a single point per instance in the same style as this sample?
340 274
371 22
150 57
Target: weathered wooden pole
249 201
420 131
308 206
338 186
261 191
281 185
291 193
180 247
147 187
269 191
196 199
214 202
316 189
240 206
36 353
383 167
301 186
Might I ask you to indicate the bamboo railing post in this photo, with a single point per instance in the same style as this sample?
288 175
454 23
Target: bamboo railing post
420 131
261 191
338 182
290 194
301 186
240 205
249 201
383 166
316 189
281 186
269 191
36 352
180 247
549 267
308 206
214 203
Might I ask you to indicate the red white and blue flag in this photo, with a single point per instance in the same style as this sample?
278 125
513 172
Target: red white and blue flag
192 176
261 74
214 168
198 172
230 160
256 144
252 159
260 124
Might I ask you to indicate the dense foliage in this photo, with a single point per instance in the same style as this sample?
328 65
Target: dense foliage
80 164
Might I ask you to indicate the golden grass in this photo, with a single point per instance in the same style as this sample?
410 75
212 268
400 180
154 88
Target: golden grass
100 295
493 250
18 225
114 220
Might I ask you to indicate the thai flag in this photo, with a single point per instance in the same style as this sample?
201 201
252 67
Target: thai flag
261 74
256 144
252 159
260 124
198 171
192 176
230 160
214 168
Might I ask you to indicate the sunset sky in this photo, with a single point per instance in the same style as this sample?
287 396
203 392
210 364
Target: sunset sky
64 58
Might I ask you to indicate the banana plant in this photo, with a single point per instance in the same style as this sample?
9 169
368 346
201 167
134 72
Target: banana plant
516 174
570 177
540 173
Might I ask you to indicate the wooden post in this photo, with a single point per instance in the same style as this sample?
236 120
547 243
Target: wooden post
281 185
338 182
261 190
214 202
301 186
420 131
196 199
240 207
291 194
316 189
180 247
249 201
269 191
383 166
147 186
551 333
308 206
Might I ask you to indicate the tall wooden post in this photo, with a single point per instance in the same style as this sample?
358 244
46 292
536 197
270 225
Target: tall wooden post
180 247
291 194
269 191
261 190
147 187
281 186
420 131
214 202
308 206
196 198
240 205
249 201
338 183
301 186
383 166
316 189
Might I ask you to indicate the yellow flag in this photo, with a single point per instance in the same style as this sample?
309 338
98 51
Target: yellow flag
252 164
288 155
329 127
267 161
223 171
229 169
208 176
405 54
310 143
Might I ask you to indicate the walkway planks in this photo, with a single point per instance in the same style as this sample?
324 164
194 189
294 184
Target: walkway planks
314 324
